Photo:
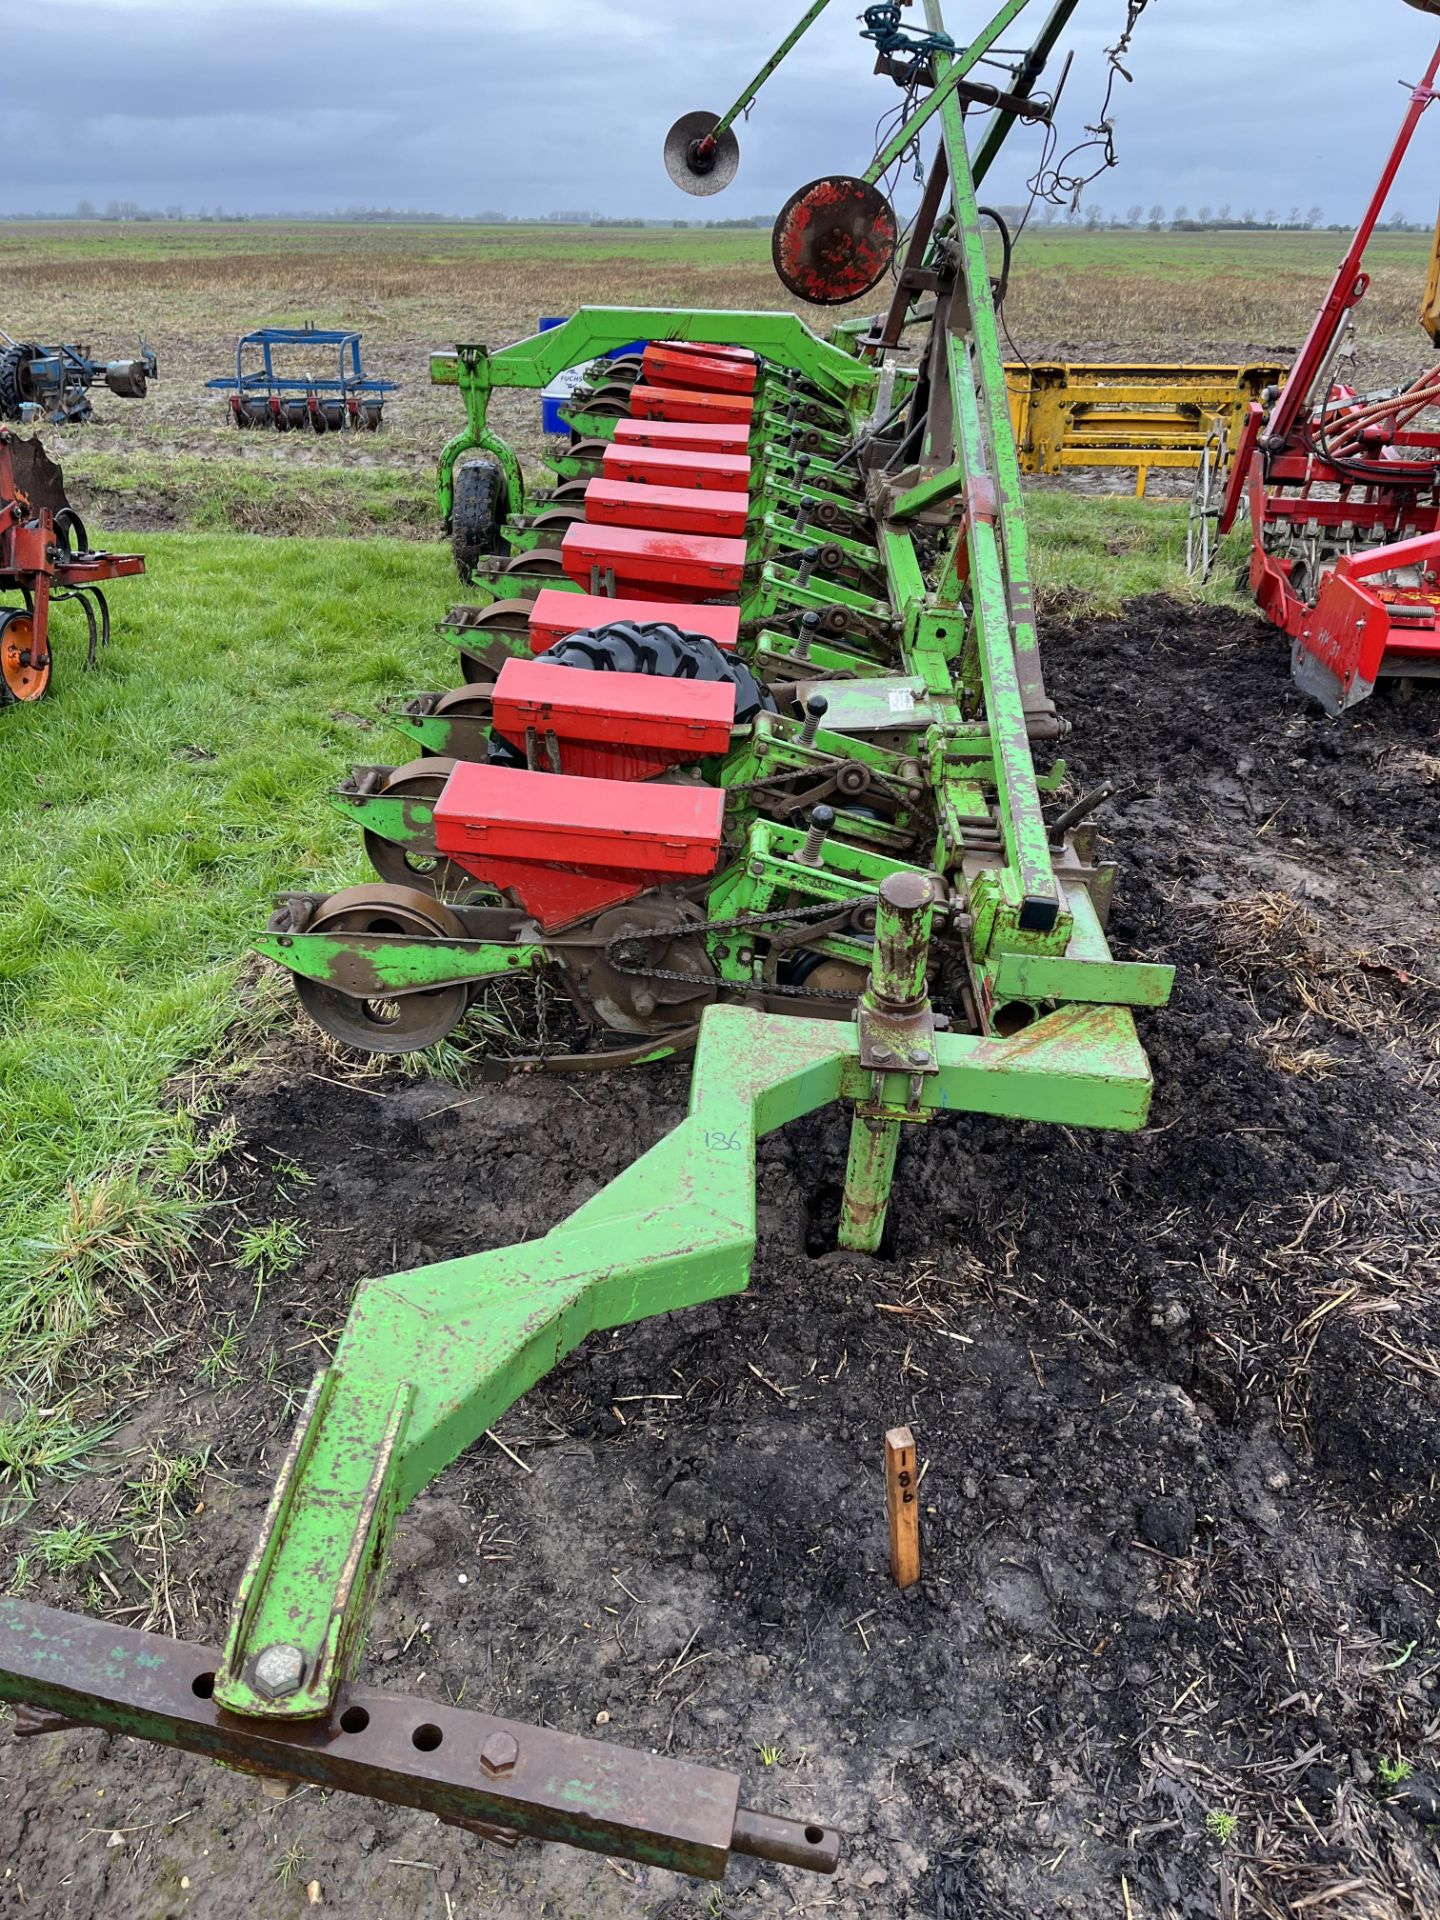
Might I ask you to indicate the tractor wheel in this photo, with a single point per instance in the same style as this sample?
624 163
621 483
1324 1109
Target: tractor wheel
477 513
15 388
653 646
20 679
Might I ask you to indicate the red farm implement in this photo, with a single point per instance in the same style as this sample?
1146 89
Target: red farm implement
45 557
1343 491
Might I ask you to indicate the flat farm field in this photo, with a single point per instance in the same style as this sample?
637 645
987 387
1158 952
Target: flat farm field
172 460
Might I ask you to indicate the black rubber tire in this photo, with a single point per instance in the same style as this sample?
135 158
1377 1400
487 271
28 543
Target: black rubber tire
631 646
12 360
477 514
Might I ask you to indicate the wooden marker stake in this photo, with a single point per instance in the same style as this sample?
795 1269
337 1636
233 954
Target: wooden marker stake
901 1494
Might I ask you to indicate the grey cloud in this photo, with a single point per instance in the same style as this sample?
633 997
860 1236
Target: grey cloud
555 103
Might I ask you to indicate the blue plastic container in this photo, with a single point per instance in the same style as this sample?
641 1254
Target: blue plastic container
559 390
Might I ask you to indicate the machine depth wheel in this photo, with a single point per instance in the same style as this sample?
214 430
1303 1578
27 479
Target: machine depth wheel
410 1022
477 512
423 873
559 515
603 407
474 701
589 450
21 677
499 618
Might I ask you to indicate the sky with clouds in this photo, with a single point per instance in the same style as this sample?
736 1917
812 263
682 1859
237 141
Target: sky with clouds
545 104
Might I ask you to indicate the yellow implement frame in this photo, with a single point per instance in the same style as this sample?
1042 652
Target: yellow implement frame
1114 415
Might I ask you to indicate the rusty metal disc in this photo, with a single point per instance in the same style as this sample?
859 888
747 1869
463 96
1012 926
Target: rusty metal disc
834 239
695 161
409 1022
654 933
24 674
490 625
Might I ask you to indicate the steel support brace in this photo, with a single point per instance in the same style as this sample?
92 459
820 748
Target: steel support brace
897 1029
468 1337
430 1360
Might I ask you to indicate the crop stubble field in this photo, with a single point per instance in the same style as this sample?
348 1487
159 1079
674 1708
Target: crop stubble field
190 289
1177 1651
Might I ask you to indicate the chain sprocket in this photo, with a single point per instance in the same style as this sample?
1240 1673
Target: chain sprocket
823 918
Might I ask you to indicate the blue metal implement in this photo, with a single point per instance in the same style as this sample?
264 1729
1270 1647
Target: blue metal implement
262 397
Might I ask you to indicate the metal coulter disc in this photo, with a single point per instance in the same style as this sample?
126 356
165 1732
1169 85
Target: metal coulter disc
692 171
834 239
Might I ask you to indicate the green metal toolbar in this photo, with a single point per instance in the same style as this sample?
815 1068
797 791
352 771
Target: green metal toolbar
966 922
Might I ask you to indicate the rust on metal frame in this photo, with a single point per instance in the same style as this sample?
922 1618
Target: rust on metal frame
470 1769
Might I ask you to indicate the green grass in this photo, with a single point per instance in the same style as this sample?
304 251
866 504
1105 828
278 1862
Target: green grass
1061 247
1093 553
271 1249
226 495
178 242
44 1443
150 809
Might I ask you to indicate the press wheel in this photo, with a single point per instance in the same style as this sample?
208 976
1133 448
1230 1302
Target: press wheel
476 701
424 873
540 563
414 1020
500 618
606 406
587 448
556 518
605 390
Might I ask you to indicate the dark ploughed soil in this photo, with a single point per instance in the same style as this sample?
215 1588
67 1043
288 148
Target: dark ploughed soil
1178 1397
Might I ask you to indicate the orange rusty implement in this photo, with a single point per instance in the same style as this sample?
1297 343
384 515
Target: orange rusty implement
713 373
614 503
706 347
683 436
653 566
556 614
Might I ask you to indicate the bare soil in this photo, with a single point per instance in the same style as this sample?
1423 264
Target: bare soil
1177 1396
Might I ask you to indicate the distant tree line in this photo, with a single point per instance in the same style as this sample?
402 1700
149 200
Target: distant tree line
1091 219
1181 219
132 210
